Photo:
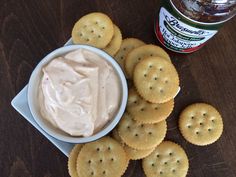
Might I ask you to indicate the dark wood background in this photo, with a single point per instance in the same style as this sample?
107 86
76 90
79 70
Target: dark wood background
31 29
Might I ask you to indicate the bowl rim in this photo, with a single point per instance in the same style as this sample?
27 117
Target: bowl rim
111 124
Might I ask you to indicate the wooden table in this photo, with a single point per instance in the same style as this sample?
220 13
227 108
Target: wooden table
31 29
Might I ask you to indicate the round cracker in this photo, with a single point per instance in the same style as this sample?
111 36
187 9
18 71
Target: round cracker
72 160
95 29
127 45
156 80
167 160
132 154
104 157
201 124
141 136
135 154
136 55
113 46
146 112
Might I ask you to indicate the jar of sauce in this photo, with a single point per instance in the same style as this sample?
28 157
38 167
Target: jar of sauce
184 26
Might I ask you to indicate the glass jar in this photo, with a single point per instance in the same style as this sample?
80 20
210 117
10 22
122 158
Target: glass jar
185 26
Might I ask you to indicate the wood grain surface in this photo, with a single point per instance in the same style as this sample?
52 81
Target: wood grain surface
30 29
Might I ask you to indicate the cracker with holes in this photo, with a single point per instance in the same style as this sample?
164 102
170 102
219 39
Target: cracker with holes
167 160
72 160
95 29
146 112
136 154
113 46
127 45
141 136
140 53
104 157
156 80
201 124
132 154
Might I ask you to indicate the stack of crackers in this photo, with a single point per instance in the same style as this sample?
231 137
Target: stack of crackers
154 83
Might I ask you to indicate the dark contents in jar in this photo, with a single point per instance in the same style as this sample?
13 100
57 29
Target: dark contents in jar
208 11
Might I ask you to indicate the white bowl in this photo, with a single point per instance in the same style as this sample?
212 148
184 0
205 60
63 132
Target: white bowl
33 94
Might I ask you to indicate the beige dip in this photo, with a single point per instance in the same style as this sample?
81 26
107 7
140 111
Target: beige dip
79 93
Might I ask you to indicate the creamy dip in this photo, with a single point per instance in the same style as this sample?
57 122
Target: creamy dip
79 93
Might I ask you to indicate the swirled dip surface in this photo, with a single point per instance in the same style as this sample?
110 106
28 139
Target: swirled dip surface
79 92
